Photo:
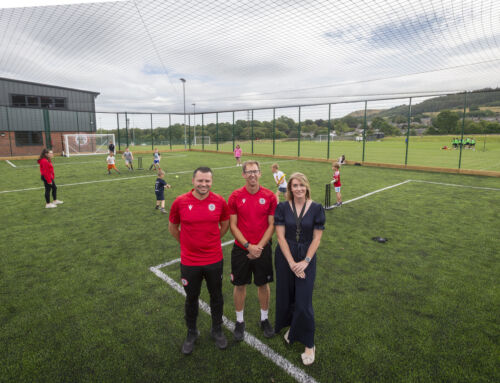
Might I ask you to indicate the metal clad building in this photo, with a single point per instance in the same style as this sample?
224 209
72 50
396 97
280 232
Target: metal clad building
34 116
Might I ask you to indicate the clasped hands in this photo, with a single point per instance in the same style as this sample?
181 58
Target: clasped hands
254 251
299 268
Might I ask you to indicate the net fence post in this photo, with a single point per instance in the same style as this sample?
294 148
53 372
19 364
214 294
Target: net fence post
152 137
202 131
118 129
170 129
8 129
329 131
364 133
251 125
408 132
274 131
233 130
126 127
298 136
463 125
189 131
217 131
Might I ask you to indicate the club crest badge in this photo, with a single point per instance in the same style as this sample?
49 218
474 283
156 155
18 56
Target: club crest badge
190 207
244 200
184 282
211 207
262 201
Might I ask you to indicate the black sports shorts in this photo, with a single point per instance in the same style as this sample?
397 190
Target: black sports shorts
243 267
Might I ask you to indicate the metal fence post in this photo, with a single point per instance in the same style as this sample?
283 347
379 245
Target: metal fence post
217 131
462 137
126 126
251 124
202 131
170 129
8 129
408 133
364 133
298 136
46 125
274 131
233 131
118 129
329 130
189 131
152 136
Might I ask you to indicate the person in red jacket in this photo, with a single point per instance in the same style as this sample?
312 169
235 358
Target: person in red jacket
47 172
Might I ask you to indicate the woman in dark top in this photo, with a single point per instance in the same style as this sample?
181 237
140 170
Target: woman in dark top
299 225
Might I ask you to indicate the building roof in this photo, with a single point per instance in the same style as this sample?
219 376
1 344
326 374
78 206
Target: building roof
47 85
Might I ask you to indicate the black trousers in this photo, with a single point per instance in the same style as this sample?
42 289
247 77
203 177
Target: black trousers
48 188
192 277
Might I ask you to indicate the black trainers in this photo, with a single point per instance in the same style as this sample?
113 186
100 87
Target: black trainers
267 328
219 338
239 331
188 345
157 207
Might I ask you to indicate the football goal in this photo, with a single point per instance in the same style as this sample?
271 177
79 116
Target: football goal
200 140
86 144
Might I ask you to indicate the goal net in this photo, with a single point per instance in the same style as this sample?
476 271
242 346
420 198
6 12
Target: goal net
87 144
200 140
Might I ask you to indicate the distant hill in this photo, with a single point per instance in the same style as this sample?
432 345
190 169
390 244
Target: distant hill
481 98
369 113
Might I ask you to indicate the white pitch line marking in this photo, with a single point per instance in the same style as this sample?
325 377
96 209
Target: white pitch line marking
126 178
227 243
457 185
11 164
371 193
285 364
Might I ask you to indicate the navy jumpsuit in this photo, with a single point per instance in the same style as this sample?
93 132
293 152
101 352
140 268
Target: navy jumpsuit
293 294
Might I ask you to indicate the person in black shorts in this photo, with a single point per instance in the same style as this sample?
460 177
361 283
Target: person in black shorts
251 220
160 186
111 147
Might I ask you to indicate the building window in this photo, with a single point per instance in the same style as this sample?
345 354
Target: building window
38 101
29 139
18 100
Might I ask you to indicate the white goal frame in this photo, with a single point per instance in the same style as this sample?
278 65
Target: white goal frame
87 144
198 140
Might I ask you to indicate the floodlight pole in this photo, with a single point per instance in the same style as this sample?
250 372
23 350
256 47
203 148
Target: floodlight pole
184 97
194 122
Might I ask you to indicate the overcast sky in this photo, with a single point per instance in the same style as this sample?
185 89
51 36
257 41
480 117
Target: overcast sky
243 53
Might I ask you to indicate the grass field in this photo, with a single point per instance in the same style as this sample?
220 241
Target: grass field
423 151
79 303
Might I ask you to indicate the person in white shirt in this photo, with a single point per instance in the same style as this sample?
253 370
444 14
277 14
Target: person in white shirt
111 163
280 179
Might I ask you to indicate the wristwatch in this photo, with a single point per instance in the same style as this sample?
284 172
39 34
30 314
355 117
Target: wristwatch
246 245
307 259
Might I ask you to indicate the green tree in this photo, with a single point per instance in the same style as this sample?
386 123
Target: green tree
446 122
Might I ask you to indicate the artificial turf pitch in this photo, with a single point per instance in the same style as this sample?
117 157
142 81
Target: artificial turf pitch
78 302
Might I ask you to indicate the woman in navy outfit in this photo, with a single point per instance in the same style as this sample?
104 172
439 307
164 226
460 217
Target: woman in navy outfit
299 225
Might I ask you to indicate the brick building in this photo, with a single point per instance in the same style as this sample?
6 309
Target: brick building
34 116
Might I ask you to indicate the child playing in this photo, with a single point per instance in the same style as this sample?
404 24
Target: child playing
129 159
111 163
160 186
279 178
237 155
156 160
337 184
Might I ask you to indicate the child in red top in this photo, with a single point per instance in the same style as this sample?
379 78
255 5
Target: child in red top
47 172
337 184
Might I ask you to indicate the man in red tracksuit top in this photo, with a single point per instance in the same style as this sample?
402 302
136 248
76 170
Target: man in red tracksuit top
47 175
198 220
251 210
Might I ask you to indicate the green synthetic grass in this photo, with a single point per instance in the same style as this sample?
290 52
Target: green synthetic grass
422 151
79 303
